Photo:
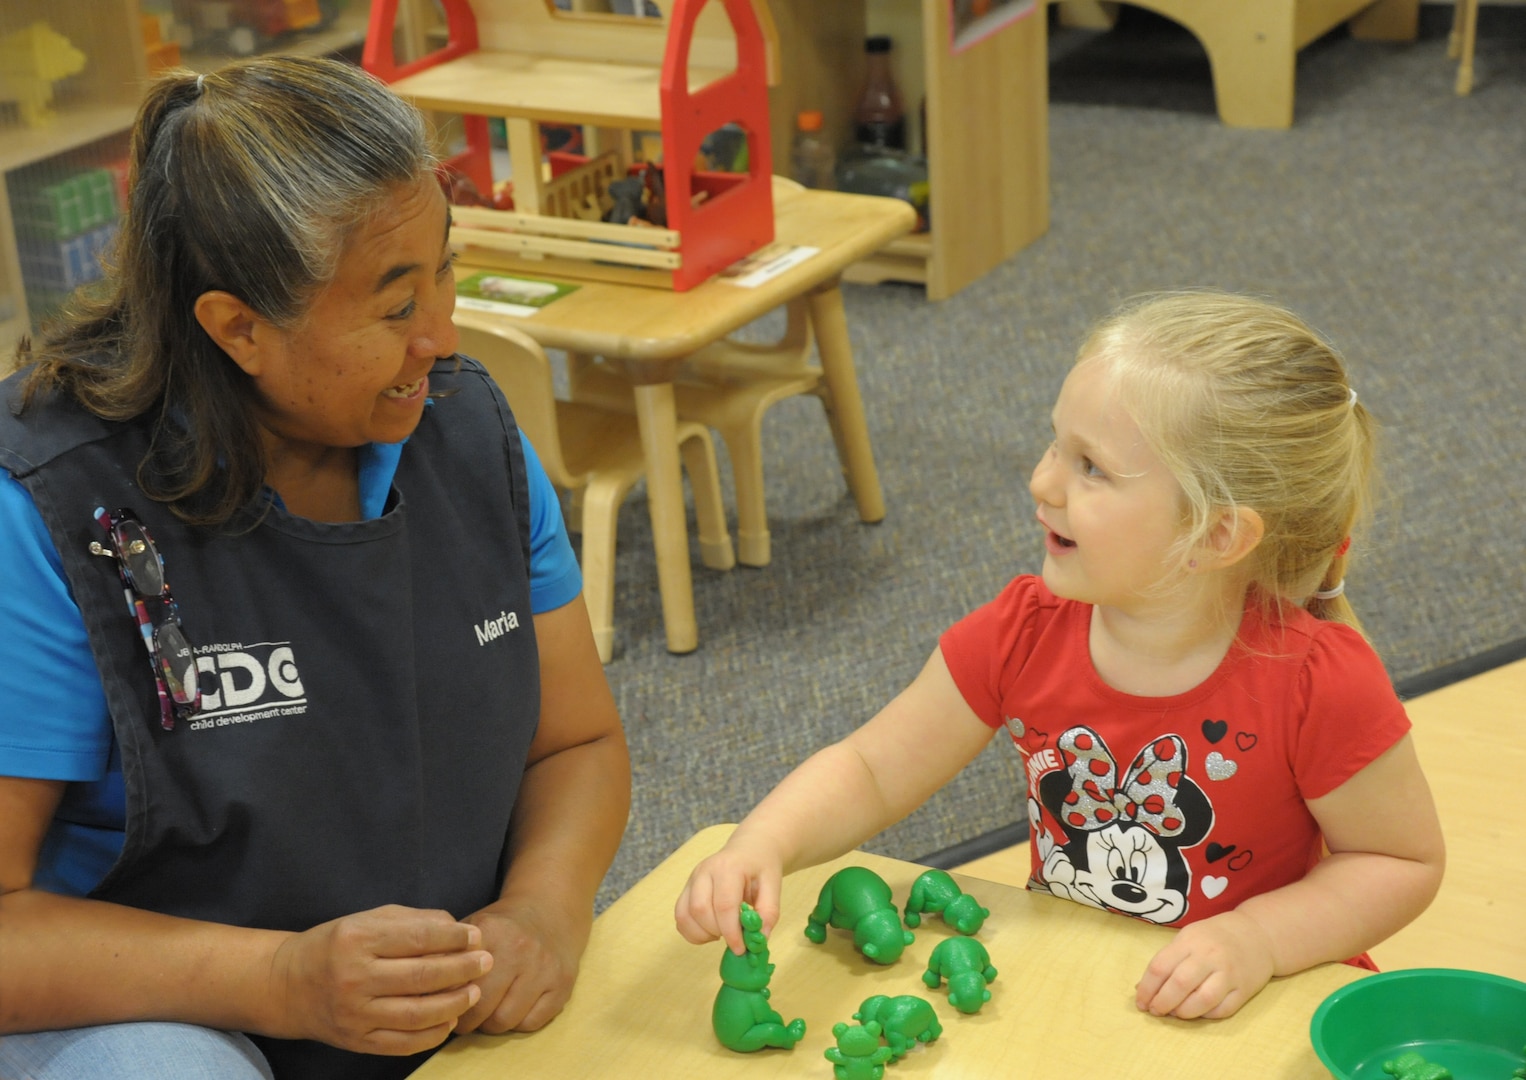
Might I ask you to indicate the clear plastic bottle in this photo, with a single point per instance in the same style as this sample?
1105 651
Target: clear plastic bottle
879 118
812 161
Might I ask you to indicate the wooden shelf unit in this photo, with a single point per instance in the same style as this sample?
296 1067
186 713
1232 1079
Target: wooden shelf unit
987 137
96 105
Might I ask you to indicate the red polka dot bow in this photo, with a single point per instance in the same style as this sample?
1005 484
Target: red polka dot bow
1147 794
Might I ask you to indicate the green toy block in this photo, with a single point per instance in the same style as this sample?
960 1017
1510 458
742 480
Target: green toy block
63 210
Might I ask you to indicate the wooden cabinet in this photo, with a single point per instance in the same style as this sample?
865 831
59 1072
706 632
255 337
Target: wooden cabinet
88 84
987 137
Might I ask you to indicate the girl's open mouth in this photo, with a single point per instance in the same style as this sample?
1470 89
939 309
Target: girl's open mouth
1056 544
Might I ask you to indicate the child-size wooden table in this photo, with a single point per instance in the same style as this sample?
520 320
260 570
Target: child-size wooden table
651 331
1062 1003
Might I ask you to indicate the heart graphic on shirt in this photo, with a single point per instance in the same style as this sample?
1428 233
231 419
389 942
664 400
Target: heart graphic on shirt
1244 740
1036 739
1240 861
1212 886
1214 730
1219 767
1218 851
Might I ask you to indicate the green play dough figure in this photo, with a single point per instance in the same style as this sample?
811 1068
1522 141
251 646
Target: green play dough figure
905 1021
858 899
1411 1066
858 1054
937 893
966 965
742 1018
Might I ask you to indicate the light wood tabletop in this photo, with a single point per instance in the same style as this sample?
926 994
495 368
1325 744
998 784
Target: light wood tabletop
1062 1002
1471 739
651 331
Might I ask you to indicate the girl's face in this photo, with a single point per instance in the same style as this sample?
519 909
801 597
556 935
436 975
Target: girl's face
356 371
1110 508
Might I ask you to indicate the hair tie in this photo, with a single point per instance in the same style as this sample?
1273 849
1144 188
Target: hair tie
201 86
1331 593
1351 401
1345 546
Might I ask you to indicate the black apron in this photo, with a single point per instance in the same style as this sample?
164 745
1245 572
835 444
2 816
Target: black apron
370 688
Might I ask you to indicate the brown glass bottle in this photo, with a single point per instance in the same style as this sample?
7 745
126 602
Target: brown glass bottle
879 118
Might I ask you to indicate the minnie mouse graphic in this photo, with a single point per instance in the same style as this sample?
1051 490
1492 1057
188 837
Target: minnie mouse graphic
1122 841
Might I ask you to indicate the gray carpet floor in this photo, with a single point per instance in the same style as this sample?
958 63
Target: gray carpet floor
1392 216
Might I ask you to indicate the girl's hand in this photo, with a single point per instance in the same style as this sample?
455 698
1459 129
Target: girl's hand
1210 969
537 948
710 905
392 980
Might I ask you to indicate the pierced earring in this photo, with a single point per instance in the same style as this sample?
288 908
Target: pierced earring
1191 564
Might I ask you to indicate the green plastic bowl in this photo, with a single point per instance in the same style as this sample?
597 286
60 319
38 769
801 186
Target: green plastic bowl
1470 1022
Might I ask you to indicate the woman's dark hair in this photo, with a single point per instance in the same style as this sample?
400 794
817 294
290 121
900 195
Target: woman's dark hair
249 180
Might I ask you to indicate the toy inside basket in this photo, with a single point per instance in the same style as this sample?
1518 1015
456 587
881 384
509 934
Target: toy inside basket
712 219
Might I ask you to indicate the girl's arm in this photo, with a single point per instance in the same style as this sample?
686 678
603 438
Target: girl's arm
834 801
570 814
389 981
1384 867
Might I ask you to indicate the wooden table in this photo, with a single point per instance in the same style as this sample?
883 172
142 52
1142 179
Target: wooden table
651 331
1471 738
1062 1004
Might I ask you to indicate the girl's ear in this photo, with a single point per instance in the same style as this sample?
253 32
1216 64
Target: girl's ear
233 326
1233 535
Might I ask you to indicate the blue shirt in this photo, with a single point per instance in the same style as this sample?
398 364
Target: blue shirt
54 724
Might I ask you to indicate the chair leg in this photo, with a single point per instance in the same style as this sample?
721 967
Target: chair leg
601 510
715 549
745 447
1467 13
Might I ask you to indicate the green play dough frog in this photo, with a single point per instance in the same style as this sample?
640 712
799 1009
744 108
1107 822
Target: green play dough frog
857 899
936 893
858 1054
1411 1066
742 1018
966 965
905 1021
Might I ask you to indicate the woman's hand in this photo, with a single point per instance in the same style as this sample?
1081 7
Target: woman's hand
392 980
536 947
1210 969
710 905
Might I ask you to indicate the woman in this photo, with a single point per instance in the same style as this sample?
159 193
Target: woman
364 791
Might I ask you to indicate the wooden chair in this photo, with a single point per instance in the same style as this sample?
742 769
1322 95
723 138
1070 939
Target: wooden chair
729 386
1460 44
594 452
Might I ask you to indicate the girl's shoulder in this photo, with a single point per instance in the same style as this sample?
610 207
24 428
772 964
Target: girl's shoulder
1316 647
1005 629
1027 598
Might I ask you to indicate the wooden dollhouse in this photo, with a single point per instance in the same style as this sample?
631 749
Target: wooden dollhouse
703 67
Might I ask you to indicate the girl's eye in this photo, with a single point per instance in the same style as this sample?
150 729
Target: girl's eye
447 265
1090 468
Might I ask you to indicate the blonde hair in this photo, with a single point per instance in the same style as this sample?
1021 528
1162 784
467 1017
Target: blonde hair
1249 407
249 179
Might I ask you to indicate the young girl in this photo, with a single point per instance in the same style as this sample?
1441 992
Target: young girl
1210 741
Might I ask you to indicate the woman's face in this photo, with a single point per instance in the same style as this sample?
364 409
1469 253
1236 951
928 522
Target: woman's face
357 369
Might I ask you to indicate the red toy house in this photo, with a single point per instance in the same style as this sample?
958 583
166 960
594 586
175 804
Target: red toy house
524 62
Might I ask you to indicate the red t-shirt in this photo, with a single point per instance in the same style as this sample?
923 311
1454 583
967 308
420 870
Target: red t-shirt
1173 809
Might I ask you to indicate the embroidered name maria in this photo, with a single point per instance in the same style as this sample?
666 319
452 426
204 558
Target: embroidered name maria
489 629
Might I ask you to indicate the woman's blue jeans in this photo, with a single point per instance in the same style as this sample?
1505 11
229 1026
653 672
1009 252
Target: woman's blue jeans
143 1051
